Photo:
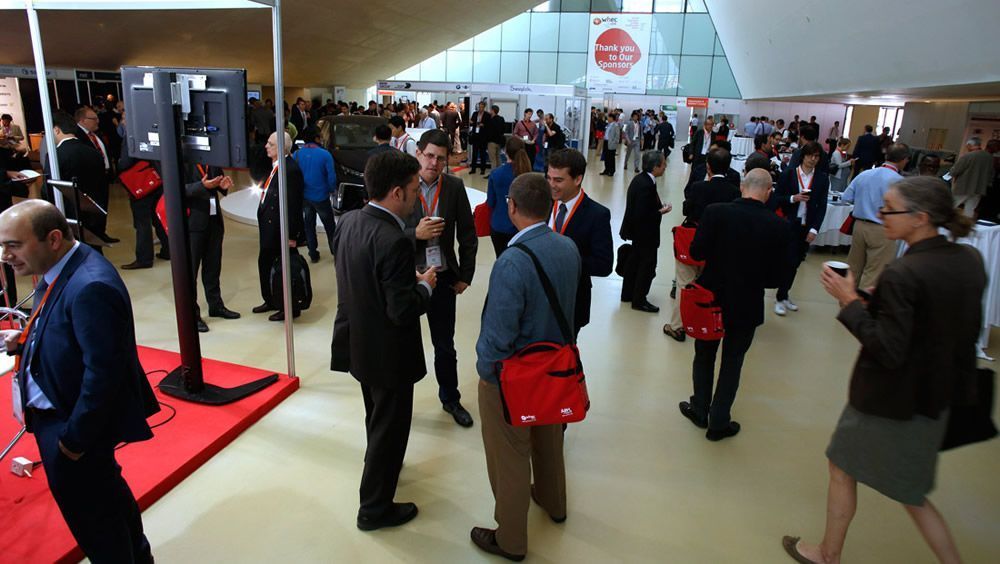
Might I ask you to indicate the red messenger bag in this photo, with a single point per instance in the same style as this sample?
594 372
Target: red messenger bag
140 180
543 383
683 237
701 313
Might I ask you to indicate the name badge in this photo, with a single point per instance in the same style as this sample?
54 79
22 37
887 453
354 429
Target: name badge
546 145
15 396
527 138
434 258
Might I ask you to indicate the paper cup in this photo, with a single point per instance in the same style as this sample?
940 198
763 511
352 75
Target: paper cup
837 266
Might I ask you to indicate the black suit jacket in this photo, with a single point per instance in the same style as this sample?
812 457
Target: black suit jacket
269 215
376 334
199 198
80 160
697 140
788 186
641 223
496 128
85 361
744 246
702 194
590 229
666 132
454 207
700 170
867 151
297 119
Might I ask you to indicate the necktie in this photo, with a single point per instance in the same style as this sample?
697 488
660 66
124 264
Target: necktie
93 139
560 217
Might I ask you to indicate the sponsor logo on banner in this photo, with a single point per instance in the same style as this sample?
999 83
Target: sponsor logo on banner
618 54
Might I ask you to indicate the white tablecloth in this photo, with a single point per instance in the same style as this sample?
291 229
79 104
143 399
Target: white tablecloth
742 146
829 232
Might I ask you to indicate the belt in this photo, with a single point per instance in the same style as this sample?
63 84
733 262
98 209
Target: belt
41 412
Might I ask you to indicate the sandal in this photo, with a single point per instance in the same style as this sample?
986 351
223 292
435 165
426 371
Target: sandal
791 545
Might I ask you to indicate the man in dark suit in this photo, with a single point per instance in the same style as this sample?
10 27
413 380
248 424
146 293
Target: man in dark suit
664 135
478 140
80 387
376 334
701 141
743 245
801 195
495 134
442 216
867 151
300 115
383 136
269 224
641 225
699 171
586 222
206 230
81 161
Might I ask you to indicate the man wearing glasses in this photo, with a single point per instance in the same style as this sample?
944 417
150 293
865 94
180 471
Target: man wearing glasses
871 251
441 215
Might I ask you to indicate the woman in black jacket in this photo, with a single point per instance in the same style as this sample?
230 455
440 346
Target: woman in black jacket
918 335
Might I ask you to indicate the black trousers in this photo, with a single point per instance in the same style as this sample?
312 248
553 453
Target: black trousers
388 412
265 259
665 149
144 217
531 150
735 345
441 319
500 241
479 157
639 273
609 159
92 496
206 253
647 141
797 249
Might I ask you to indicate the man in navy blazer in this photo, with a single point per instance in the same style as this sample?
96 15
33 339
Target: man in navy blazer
518 313
866 151
801 195
82 389
583 220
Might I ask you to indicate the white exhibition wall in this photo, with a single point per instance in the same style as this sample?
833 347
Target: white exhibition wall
954 118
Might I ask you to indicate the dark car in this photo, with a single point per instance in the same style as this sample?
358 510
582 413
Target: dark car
348 138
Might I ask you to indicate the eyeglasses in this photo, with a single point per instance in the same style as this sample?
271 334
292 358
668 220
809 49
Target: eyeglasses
887 211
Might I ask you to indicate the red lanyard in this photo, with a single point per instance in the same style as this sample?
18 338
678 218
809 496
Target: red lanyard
843 155
401 142
202 170
434 205
555 207
892 167
802 187
267 184
23 338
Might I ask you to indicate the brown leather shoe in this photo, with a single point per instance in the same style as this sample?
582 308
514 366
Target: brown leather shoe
675 334
486 539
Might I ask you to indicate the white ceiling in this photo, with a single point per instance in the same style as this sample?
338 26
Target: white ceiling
854 50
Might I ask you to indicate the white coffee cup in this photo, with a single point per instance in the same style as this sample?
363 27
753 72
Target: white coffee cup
837 266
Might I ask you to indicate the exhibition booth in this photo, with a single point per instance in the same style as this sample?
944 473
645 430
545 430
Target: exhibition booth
217 401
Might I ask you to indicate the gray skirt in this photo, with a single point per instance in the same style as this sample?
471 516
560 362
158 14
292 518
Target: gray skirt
895 458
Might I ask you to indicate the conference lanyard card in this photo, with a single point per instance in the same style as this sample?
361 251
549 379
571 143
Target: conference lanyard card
15 396
434 257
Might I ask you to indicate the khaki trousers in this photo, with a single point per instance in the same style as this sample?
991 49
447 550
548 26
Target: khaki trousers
493 150
513 454
684 274
870 252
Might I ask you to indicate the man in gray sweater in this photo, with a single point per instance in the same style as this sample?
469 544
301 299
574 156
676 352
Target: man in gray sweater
971 176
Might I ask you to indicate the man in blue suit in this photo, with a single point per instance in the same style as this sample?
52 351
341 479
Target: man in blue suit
518 313
82 389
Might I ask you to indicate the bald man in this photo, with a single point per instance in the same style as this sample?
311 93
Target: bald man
269 222
79 386
744 247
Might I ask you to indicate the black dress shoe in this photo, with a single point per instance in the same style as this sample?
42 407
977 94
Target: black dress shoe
136 265
645 306
224 313
202 326
534 498
455 409
395 516
688 411
675 334
723 433
113 240
163 255
280 315
486 539
263 308
314 258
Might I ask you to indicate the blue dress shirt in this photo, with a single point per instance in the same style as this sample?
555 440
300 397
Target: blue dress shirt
867 191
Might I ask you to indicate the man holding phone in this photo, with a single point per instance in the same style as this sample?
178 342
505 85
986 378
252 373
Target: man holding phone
441 215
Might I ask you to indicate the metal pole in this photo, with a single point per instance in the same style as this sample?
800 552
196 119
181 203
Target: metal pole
43 94
180 266
279 106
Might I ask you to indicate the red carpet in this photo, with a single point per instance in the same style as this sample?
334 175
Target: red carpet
31 528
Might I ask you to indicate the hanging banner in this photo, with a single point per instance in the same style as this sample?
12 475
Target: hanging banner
618 55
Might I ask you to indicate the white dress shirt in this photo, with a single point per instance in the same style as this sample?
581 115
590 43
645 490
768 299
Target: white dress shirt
569 209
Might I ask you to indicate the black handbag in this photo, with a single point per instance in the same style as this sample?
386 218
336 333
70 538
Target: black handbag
624 254
970 419
686 153
302 293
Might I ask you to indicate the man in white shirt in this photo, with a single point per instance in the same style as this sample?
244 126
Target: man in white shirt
400 138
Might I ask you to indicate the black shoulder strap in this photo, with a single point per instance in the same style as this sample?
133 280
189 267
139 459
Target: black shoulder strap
550 293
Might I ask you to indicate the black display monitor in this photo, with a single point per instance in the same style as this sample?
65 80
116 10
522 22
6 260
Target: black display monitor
213 109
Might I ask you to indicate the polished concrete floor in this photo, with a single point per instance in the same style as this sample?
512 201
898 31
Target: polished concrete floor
644 484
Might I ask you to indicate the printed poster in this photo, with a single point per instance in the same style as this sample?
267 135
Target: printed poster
618 54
